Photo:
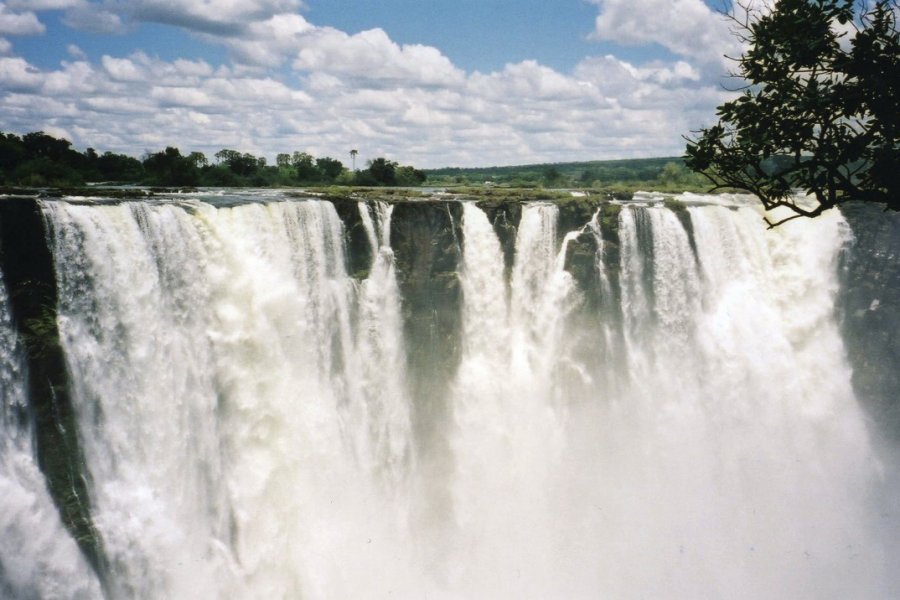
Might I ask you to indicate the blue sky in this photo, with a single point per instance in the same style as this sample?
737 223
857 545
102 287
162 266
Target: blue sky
430 83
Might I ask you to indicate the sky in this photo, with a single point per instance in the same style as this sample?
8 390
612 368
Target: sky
430 83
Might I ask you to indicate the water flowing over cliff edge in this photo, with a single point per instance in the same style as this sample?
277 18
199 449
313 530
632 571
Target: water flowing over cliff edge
256 395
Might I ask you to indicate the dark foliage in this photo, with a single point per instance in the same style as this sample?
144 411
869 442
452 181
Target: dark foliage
40 160
383 170
820 113
169 167
330 168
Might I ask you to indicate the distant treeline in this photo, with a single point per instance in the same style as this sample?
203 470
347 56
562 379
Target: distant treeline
40 160
668 173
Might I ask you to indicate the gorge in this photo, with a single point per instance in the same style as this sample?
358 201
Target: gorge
270 394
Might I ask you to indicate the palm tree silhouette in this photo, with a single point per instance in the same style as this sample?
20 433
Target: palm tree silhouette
353 154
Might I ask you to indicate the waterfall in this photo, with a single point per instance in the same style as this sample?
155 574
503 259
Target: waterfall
219 386
714 470
600 259
670 417
38 560
382 358
509 428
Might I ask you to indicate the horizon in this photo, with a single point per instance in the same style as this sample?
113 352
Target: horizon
488 167
451 85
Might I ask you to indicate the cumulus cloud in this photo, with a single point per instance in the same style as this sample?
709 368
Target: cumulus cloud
293 85
373 55
270 33
688 28
123 69
269 42
5 46
523 113
370 57
17 75
611 73
528 79
19 23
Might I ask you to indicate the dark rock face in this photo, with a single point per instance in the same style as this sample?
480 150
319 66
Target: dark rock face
359 251
426 238
870 307
30 277
504 216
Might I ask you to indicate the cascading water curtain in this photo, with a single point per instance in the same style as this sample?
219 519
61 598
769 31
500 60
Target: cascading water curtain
221 361
732 463
244 409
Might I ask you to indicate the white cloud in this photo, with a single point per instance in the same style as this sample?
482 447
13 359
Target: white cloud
17 74
616 76
15 23
192 68
94 19
216 17
526 112
183 97
5 46
74 80
34 5
117 106
269 42
528 79
212 16
123 69
76 52
407 102
688 28
372 55
369 57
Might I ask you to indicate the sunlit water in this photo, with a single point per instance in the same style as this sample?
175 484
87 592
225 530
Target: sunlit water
244 411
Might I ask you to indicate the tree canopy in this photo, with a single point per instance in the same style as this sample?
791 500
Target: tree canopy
819 112
41 160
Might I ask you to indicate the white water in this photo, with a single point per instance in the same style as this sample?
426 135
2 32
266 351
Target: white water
735 462
232 399
245 415
738 453
382 360
508 416
38 560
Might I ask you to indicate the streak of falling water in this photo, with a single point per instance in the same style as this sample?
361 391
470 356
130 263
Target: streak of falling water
599 258
382 358
504 409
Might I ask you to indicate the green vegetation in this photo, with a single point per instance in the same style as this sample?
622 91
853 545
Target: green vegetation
821 110
37 159
609 176
40 160
41 335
